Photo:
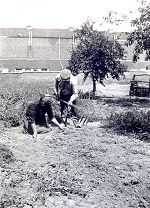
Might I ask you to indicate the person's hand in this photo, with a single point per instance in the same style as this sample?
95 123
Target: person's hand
62 126
69 108
34 135
70 102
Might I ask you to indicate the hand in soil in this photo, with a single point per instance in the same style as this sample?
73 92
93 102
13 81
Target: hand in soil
34 135
62 127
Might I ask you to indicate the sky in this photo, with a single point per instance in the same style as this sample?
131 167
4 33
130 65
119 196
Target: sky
62 14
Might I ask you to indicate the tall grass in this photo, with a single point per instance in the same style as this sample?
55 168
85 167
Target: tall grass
132 121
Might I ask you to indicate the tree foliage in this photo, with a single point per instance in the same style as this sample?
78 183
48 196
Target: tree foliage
141 35
114 18
96 55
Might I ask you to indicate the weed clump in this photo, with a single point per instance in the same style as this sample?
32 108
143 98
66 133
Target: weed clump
6 156
132 121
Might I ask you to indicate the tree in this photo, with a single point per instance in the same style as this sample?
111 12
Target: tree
96 55
140 37
114 19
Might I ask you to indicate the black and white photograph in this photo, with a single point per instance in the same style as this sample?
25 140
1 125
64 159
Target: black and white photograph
74 104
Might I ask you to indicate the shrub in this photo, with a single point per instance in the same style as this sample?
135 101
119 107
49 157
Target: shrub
127 101
132 121
86 95
6 156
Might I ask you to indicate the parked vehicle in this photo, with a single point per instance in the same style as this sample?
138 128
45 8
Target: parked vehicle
140 85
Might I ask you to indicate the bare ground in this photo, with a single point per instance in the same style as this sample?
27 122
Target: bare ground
90 167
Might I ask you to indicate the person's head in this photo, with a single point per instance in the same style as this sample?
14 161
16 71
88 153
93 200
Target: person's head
65 74
44 98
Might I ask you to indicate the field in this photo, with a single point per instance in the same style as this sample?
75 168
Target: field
89 167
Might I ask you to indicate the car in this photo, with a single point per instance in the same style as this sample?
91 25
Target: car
140 85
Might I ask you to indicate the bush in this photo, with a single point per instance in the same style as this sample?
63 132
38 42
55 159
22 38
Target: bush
86 95
6 156
132 121
128 101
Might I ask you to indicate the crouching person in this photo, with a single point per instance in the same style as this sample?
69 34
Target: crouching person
35 121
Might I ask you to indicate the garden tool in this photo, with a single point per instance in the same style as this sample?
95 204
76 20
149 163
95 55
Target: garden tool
82 121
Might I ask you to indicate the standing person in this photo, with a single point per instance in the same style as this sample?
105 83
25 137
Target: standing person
36 121
66 89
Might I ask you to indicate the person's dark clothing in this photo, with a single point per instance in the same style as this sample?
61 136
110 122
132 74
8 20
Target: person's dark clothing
66 91
64 106
36 113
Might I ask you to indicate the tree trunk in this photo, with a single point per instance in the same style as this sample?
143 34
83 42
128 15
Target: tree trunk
94 89
94 86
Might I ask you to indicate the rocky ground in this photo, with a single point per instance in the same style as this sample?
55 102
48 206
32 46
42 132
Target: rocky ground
88 167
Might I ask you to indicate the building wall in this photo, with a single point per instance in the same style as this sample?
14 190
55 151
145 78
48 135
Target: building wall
129 51
46 51
42 48
13 47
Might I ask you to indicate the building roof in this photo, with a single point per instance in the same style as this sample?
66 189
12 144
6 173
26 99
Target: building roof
53 65
50 33
40 33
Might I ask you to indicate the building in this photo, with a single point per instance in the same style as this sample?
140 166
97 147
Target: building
30 50
27 49
121 37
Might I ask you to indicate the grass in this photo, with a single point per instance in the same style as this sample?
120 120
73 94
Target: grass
17 90
14 95
127 101
132 121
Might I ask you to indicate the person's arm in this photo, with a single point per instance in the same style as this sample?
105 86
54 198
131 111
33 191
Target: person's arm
75 90
56 84
57 124
34 128
51 115
31 113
